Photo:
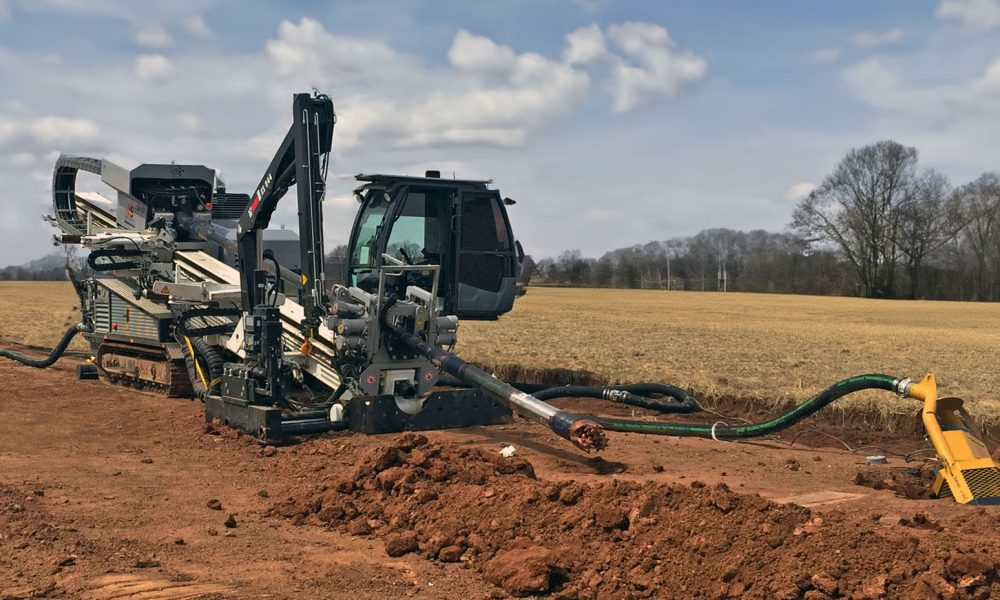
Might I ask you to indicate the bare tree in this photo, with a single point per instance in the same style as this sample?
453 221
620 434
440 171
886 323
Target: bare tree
336 265
858 209
979 202
929 220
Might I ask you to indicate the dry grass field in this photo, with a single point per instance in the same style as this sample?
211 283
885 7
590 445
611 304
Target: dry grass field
767 348
771 348
38 312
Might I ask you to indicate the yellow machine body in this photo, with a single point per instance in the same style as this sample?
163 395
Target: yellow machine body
968 473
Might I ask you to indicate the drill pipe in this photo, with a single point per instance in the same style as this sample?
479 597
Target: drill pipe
219 235
584 433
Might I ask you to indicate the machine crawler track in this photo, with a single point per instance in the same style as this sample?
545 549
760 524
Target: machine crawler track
142 368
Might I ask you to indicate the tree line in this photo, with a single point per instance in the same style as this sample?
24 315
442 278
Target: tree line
879 226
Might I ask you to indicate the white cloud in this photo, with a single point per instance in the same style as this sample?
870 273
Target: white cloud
798 191
477 53
307 47
493 95
656 69
197 26
153 67
52 129
952 121
46 130
826 55
871 39
974 14
4 11
397 111
153 36
584 45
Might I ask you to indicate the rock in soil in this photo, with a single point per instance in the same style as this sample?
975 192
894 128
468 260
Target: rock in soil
398 544
913 483
523 571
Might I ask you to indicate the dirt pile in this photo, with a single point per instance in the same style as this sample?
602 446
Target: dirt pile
913 483
632 540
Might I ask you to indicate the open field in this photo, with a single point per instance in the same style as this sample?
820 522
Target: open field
763 348
36 313
751 346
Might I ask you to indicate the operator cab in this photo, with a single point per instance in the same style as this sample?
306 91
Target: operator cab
461 225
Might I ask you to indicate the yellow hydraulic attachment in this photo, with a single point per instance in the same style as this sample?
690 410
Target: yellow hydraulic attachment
968 473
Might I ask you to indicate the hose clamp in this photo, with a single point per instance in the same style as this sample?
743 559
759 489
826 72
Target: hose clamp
903 386
614 395
716 424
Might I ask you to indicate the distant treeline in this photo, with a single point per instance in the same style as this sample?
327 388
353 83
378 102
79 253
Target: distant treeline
755 261
26 274
878 226
47 268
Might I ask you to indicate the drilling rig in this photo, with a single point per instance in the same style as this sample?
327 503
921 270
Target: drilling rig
192 295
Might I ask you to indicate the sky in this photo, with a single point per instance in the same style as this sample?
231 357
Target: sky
610 122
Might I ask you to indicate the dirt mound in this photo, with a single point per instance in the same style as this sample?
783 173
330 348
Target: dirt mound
913 483
631 540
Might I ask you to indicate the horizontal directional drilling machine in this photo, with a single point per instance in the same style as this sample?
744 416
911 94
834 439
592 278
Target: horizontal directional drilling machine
192 295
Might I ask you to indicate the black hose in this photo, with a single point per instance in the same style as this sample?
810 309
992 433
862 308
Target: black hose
635 394
196 385
53 356
212 359
724 431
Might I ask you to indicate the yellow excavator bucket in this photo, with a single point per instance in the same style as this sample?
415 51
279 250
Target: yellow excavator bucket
968 473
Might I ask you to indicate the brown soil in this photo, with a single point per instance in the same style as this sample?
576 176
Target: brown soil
107 493
629 539
907 482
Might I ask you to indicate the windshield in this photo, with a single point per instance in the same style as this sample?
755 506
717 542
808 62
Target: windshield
371 219
418 233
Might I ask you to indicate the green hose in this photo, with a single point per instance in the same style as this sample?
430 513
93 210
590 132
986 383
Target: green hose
723 431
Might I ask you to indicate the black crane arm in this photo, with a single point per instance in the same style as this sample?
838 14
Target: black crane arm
300 160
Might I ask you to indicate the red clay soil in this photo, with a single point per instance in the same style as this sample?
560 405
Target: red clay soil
907 482
107 493
634 540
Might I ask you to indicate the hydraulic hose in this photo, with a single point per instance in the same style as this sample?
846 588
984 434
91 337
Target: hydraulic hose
587 431
203 381
53 356
722 431
636 394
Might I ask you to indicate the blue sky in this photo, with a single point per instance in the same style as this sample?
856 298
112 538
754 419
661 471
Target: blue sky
611 123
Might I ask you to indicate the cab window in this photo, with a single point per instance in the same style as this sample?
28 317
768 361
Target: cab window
419 232
368 228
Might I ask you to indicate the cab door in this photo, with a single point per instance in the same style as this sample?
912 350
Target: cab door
486 258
